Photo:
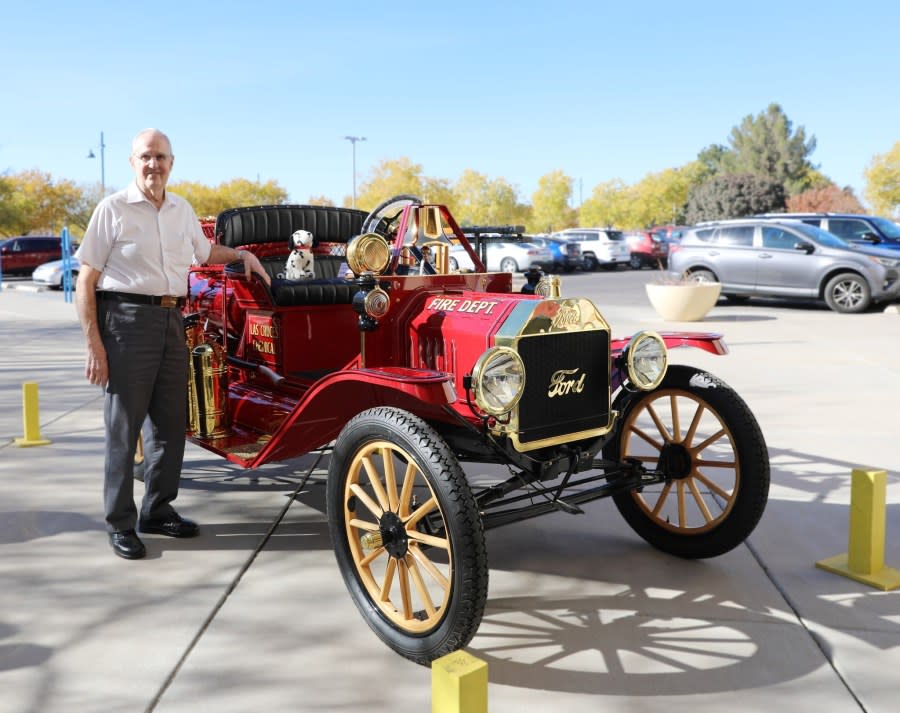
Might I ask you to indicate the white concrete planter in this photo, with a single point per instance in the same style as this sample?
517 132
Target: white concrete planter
683 301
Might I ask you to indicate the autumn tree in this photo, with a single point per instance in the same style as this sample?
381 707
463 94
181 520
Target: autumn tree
320 200
389 178
825 199
608 205
734 195
6 204
212 200
36 203
550 209
478 200
882 189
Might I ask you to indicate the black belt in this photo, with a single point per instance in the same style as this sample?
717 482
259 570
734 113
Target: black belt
161 301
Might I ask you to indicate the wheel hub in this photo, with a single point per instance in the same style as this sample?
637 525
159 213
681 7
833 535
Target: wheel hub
393 535
675 461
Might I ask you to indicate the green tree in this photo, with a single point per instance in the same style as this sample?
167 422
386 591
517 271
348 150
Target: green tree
550 209
882 189
734 195
767 145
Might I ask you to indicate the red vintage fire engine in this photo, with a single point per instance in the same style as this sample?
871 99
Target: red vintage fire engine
403 370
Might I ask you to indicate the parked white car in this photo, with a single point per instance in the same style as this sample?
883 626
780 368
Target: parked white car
505 257
600 247
51 273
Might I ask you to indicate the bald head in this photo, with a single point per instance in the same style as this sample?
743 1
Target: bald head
151 159
145 135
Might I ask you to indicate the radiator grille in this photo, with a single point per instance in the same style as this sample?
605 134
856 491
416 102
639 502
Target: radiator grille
566 384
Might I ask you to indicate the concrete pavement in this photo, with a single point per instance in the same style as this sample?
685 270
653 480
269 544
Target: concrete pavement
581 615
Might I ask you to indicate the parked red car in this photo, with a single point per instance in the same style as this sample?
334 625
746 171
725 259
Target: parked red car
402 370
21 254
648 248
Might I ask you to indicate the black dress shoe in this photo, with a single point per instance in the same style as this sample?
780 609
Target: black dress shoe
126 543
172 526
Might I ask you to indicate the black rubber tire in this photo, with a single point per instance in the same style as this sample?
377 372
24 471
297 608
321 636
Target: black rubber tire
848 293
454 526
715 452
590 263
635 261
509 264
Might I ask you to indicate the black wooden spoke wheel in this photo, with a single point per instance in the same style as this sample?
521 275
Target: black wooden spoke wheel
406 534
698 432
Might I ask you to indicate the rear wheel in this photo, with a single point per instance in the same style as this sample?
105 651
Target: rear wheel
848 293
698 432
702 276
407 534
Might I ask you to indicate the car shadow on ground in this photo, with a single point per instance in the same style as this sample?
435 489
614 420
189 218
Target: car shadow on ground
620 618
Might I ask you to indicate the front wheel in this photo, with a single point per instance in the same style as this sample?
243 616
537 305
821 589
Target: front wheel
848 293
701 435
635 262
509 264
407 534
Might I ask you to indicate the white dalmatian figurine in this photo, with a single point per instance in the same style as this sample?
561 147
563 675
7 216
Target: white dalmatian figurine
300 263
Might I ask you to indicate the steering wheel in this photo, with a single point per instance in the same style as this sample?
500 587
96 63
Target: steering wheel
383 215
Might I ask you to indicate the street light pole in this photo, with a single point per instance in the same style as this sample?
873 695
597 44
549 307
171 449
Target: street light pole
102 165
353 140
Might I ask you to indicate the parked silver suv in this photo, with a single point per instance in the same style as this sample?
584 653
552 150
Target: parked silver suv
759 257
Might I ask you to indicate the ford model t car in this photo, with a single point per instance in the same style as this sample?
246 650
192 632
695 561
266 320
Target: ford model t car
405 370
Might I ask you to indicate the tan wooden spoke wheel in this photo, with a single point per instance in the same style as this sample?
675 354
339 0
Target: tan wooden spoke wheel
678 432
407 534
406 569
700 435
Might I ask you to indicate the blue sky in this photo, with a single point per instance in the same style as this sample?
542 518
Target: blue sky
513 90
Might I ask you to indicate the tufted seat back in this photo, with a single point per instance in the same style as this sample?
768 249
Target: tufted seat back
255 225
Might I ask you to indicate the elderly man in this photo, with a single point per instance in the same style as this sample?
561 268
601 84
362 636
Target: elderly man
135 258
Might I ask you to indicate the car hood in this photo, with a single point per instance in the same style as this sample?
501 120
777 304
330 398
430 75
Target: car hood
892 254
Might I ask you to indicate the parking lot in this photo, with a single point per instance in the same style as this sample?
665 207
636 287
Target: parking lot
582 615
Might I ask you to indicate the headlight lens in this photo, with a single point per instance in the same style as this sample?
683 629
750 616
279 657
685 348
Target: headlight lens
368 252
646 360
886 261
498 380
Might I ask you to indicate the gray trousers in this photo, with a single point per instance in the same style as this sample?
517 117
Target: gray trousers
148 373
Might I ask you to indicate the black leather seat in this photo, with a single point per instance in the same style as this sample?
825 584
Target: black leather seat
267 230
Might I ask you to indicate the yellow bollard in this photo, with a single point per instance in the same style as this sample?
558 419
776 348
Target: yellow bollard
30 417
459 684
864 561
